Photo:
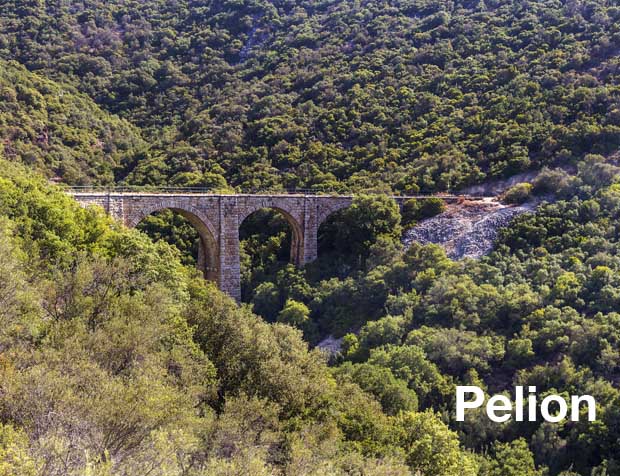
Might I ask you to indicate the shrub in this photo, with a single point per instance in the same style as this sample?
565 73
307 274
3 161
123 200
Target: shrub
415 210
519 193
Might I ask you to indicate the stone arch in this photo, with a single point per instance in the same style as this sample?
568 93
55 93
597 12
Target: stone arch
208 249
331 207
325 209
297 230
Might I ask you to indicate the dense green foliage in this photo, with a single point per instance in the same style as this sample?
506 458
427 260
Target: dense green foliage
540 310
116 359
60 131
405 94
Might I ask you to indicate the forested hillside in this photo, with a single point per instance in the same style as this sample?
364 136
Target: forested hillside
118 359
59 131
541 310
403 94
115 359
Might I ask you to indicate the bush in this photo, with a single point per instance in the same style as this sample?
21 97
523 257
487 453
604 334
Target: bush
520 193
555 181
295 313
415 210
431 207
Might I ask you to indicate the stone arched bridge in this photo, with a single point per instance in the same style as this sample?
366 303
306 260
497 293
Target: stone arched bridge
217 219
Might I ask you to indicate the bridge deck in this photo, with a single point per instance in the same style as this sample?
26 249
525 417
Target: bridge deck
195 192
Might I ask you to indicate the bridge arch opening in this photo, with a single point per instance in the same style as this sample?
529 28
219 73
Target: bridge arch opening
349 234
333 245
188 233
270 238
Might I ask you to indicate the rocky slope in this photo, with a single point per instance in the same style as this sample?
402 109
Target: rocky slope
466 230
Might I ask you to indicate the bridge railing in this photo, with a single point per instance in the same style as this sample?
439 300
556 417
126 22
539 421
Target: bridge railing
199 190
144 189
210 191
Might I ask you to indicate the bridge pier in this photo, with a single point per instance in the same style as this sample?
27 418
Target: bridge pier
230 263
310 246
